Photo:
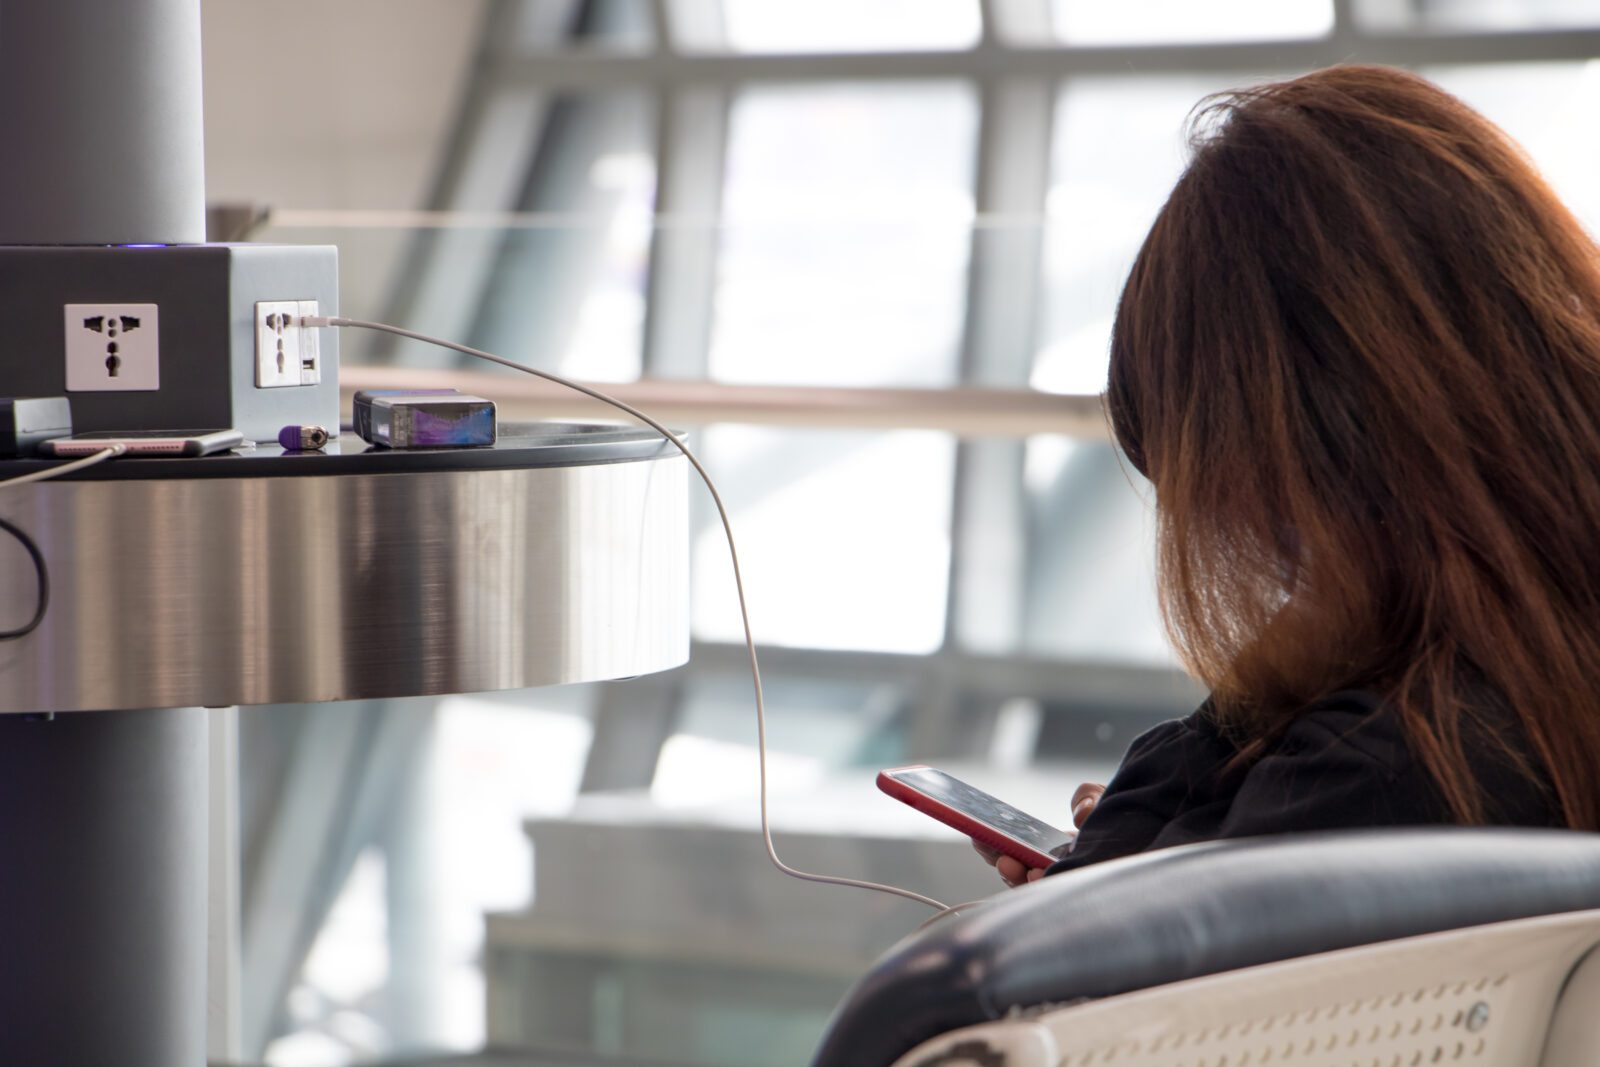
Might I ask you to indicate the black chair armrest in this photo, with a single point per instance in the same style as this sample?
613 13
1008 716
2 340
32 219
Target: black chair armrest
1204 909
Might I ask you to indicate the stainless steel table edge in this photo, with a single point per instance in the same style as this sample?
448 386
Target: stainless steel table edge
211 591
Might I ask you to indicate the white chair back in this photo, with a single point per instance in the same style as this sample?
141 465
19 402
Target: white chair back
1514 993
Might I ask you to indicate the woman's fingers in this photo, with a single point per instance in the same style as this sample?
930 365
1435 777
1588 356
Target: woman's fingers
1084 799
1012 870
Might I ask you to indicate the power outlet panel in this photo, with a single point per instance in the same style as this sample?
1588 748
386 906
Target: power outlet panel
286 352
113 347
310 345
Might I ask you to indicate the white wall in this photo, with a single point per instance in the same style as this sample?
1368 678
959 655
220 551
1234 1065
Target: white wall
331 103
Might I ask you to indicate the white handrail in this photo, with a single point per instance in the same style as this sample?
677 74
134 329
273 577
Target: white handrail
965 412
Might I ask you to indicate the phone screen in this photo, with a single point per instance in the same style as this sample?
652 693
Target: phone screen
983 808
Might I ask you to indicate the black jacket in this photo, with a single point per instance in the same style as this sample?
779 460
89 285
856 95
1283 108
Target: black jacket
1343 764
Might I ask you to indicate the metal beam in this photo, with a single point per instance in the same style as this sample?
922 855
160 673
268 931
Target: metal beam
295 863
988 528
690 159
1099 687
632 720
443 273
607 70
529 301
336 799
964 412
224 1037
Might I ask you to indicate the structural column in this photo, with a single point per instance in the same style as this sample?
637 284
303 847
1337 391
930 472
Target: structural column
103 815
100 115
103 824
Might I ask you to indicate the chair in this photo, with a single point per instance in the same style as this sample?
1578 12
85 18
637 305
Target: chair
1370 948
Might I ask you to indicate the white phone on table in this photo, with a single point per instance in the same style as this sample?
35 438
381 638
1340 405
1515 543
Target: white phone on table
145 442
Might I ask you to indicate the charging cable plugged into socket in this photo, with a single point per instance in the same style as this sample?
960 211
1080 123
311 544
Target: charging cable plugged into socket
310 323
286 353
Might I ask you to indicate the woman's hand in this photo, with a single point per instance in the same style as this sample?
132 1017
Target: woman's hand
1012 871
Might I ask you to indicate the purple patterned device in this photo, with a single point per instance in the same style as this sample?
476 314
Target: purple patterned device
412 420
361 405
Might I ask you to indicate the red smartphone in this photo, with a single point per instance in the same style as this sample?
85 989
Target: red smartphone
983 818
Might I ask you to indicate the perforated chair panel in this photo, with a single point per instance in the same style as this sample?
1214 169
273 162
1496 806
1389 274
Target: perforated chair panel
1483 996
1240 912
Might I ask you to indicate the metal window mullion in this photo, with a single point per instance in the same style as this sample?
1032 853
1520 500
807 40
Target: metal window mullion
690 25
529 302
631 721
983 603
691 157
1055 61
483 165
984 606
1016 22
692 137
1114 688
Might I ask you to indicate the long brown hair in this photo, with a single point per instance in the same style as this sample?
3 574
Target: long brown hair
1359 359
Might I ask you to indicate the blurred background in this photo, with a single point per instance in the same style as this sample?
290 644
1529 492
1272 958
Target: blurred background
867 252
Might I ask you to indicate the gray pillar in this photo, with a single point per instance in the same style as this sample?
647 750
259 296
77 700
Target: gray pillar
103 815
100 122
103 889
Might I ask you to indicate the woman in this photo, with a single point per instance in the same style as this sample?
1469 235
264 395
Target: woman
1358 357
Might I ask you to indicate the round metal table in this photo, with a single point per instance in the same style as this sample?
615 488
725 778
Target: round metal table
559 555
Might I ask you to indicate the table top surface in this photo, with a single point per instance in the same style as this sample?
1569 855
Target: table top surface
521 446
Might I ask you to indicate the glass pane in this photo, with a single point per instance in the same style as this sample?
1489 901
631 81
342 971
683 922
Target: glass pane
567 280
851 25
1550 109
1506 14
815 726
539 26
1118 149
1188 22
1090 585
702 953
397 964
847 211
844 538
552 274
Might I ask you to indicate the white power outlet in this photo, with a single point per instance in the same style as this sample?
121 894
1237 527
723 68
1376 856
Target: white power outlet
286 352
113 347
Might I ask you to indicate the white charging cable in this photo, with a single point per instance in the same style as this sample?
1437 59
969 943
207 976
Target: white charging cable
109 452
733 555
41 569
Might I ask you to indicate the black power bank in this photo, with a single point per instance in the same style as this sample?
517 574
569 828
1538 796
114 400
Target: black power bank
26 422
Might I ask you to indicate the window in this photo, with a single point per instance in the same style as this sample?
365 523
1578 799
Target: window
1487 16
1119 147
1089 22
845 235
851 25
844 538
1550 109
878 197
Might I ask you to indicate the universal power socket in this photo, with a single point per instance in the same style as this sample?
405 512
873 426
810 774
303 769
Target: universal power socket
286 352
113 347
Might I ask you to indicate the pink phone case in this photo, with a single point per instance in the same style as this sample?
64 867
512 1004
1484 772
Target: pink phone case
953 817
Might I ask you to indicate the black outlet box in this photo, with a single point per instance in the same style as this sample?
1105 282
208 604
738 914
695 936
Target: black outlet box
205 298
